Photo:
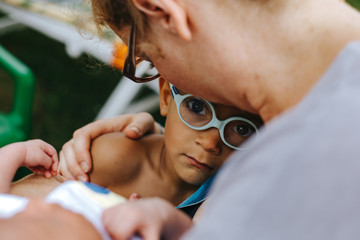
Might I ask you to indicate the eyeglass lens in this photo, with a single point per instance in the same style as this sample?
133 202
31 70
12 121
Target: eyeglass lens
197 113
237 131
136 68
145 69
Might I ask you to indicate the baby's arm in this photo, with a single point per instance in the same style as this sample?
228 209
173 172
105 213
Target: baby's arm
37 155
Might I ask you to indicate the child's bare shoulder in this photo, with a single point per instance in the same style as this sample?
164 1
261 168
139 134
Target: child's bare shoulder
114 155
117 144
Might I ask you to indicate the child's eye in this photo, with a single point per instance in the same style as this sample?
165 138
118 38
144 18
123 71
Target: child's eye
197 106
243 130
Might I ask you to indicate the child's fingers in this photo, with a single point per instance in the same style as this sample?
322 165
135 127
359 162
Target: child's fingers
51 152
54 173
141 123
37 171
70 168
46 163
52 158
47 174
55 166
42 172
81 148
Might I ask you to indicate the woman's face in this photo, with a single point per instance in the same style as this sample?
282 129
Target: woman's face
185 65
231 57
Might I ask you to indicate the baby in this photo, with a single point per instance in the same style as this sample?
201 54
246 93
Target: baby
84 198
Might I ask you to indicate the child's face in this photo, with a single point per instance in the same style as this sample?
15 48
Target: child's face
196 154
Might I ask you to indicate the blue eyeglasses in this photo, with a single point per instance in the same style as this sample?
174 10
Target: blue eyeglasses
200 114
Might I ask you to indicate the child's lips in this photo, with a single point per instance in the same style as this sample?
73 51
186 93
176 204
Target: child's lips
198 164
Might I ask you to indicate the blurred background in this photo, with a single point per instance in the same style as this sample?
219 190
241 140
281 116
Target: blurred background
71 84
69 91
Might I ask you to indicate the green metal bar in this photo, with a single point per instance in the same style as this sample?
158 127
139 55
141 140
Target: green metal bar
21 113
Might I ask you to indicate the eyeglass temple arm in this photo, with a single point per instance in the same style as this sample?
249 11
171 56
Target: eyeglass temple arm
130 65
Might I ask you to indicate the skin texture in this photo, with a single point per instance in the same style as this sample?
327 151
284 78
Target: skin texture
131 164
41 220
154 210
75 155
35 186
151 166
268 52
37 155
261 56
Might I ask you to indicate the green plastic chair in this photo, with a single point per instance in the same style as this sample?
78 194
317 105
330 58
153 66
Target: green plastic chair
16 125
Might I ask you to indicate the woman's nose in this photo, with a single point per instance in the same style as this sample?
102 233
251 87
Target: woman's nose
210 140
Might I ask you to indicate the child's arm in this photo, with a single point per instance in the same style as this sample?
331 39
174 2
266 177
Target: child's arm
75 158
37 155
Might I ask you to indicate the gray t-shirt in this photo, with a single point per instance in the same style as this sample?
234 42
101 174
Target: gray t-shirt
300 178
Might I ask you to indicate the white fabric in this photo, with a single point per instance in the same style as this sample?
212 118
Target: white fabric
84 198
300 178
10 205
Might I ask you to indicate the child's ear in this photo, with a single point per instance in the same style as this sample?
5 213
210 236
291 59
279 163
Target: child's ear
170 14
165 96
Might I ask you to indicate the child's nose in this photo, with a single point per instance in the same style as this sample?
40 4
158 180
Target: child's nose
210 140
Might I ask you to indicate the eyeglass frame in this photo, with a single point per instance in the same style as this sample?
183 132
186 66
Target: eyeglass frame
129 70
214 122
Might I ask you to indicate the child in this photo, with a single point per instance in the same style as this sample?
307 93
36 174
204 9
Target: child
171 166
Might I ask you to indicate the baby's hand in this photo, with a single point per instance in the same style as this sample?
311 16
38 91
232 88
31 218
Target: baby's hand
41 158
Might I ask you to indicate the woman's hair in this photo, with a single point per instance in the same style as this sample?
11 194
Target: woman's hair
118 14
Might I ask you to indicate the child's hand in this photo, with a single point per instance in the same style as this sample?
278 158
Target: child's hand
41 158
75 158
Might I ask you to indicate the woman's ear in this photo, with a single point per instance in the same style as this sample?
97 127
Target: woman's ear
171 15
165 96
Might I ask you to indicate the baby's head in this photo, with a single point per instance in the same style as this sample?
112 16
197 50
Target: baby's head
199 135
